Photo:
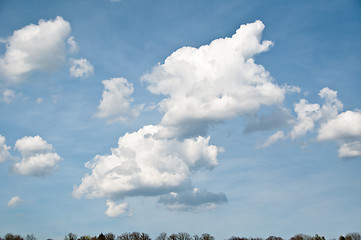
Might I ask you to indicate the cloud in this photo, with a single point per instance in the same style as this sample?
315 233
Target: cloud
73 46
346 129
213 83
309 114
115 210
192 200
279 117
35 47
81 68
273 139
9 96
346 125
4 150
38 157
116 103
14 202
144 165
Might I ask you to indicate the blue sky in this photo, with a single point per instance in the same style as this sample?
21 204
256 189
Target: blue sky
228 117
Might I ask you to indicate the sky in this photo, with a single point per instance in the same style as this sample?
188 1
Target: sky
234 118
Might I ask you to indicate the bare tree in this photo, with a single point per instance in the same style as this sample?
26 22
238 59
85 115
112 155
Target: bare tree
71 236
353 236
206 236
162 236
109 236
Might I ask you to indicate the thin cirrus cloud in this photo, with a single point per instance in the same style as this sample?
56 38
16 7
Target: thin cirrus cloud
4 150
116 104
213 83
144 165
38 157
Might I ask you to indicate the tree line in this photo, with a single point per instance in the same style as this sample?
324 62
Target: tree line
174 236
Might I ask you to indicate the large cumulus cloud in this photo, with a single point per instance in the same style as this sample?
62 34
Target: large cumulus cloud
213 83
144 165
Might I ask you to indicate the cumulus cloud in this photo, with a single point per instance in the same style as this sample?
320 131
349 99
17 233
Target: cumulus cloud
116 103
38 157
81 68
115 210
192 200
346 129
14 202
144 165
213 83
39 46
309 114
4 150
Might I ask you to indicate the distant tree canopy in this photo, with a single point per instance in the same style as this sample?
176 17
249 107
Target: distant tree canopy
174 236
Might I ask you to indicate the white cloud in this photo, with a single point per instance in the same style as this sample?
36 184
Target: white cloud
115 210
38 157
346 125
14 202
4 150
273 138
144 165
35 47
81 68
351 149
309 114
346 130
73 45
116 103
9 95
214 83
192 200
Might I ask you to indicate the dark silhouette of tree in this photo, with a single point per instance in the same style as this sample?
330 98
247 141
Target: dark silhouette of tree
162 236
274 238
144 236
30 237
101 237
84 237
173 237
353 236
71 236
238 238
206 236
341 238
317 237
184 236
301 237
109 236
11 236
